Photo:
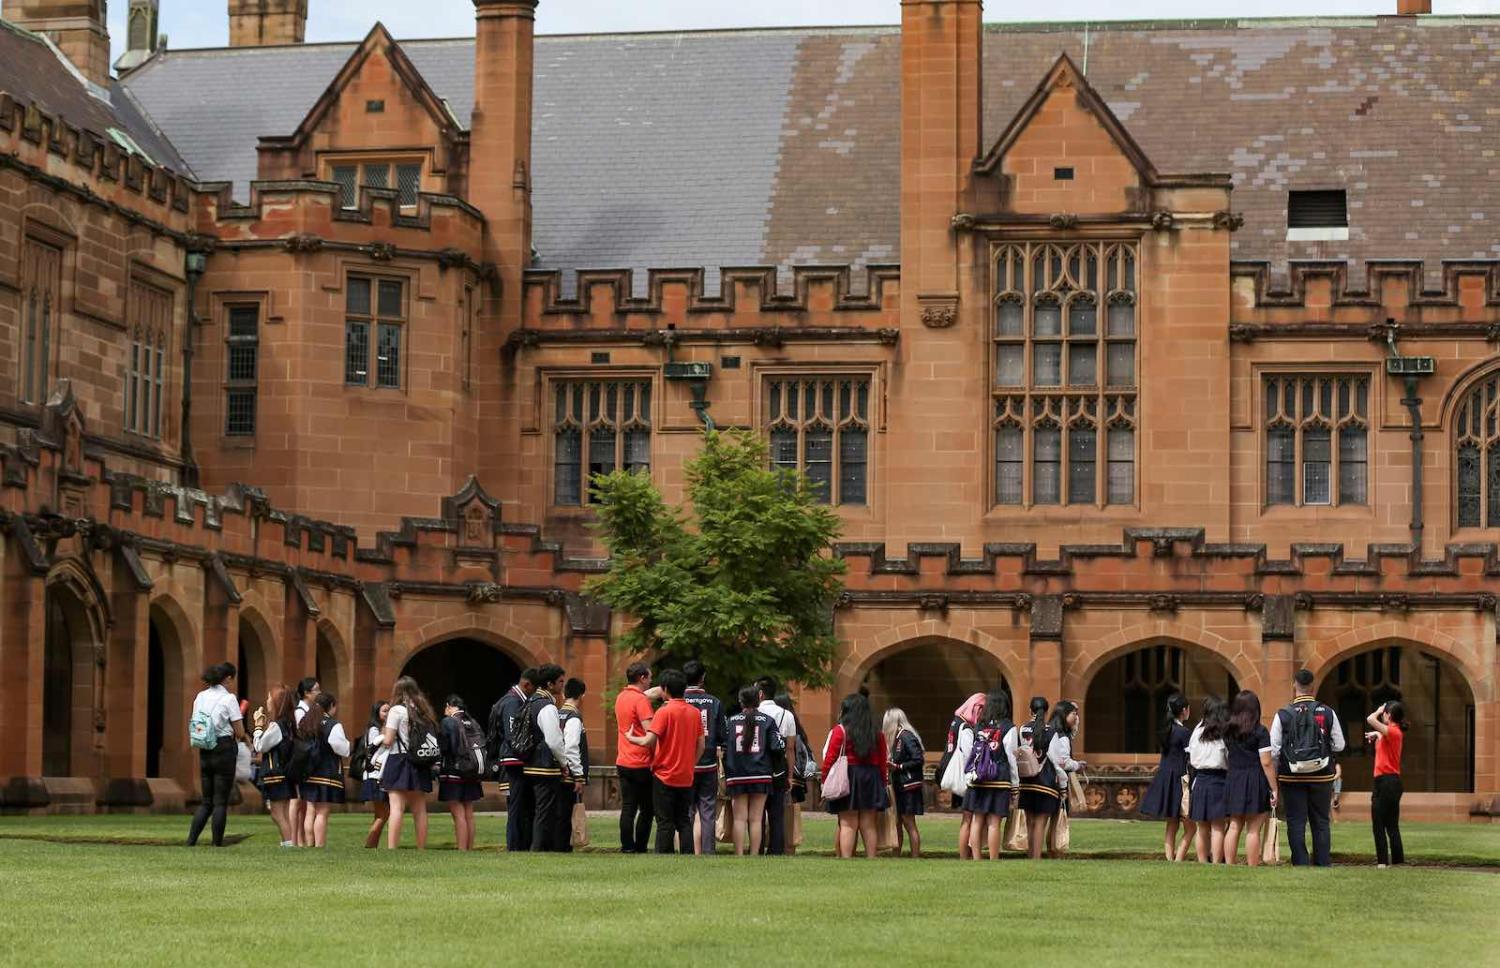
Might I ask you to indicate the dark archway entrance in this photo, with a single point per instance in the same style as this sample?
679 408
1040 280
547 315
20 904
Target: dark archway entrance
475 670
1126 703
167 697
928 680
68 686
156 701
328 669
252 681
1438 752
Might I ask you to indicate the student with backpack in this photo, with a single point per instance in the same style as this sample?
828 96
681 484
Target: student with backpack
1305 735
1163 799
803 767
214 727
575 761
751 739
706 773
1388 729
1208 762
519 807
327 745
950 770
367 762
462 767
412 750
1039 791
856 741
781 810
1250 788
907 765
992 775
275 738
537 735
307 691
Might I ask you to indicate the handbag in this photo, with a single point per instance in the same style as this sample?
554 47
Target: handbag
1076 802
886 839
580 835
241 763
1058 839
1187 796
954 779
836 783
1270 841
1016 836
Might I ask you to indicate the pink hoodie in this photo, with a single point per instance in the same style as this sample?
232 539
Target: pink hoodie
971 709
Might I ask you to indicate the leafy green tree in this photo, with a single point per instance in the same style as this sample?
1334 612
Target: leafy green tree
742 580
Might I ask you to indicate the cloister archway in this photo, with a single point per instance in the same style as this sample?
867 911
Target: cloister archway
71 692
253 661
169 681
330 666
1126 700
1438 752
478 671
928 677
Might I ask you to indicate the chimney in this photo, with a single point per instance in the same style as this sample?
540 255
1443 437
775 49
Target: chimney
141 37
79 28
1412 8
266 23
500 140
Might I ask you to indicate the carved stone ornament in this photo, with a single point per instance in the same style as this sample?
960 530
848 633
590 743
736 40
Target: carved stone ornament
933 603
938 311
1162 221
1021 603
382 251
1063 220
1161 547
1485 602
1072 600
1395 602
1492 333
303 243
1303 602
1227 220
1240 333
963 222
393 589
844 600
1254 602
484 593
476 523
888 335
1164 603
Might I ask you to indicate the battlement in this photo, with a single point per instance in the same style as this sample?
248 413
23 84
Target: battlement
307 205
1469 285
103 165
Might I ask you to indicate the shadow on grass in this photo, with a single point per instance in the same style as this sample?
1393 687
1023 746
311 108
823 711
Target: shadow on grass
229 840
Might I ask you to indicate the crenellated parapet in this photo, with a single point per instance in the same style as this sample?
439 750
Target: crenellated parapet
818 298
1467 295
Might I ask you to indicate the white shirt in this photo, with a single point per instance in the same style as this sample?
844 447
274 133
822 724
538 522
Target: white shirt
786 723
396 719
338 740
572 743
300 711
378 753
268 739
1204 755
220 706
1060 752
1011 743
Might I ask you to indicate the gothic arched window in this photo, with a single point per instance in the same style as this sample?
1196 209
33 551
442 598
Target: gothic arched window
1476 441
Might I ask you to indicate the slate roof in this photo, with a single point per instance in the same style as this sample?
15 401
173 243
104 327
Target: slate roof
781 146
33 71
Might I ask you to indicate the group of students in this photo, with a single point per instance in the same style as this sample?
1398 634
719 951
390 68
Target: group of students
1224 778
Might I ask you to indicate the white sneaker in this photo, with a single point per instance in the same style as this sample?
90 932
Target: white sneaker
1380 867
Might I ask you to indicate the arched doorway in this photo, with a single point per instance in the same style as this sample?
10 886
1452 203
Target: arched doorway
1126 702
251 664
329 669
928 679
69 684
1438 751
166 697
477 671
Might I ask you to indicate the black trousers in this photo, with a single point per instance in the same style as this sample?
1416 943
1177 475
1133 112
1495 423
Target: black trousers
1385 818
635 809
775 841
546 792
1309 803
567 797
520 808
674 818
217 769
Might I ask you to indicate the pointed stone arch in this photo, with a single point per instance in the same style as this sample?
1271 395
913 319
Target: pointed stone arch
77 627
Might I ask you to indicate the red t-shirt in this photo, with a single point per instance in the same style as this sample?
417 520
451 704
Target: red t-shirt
677 726
1388 751
632 711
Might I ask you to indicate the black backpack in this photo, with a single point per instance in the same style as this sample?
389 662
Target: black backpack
359 758
422 746
298 756
523 732
1307 745
469 757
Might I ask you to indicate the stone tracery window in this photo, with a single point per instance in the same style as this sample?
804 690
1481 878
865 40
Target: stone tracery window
41 298
821 427
1477 451
1064 333
150 318
598 426
1317 439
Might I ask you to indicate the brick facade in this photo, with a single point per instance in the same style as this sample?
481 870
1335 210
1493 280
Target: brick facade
357 525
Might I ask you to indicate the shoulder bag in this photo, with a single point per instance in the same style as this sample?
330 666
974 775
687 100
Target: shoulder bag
836 783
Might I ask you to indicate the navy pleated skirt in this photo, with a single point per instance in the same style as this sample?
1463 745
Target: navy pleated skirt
866 791
315 792
1208 796
453 789
1247 792
370 792
910 803
1163 799
994 801
402 775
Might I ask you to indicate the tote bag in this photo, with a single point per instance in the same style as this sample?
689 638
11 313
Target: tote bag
1187 795
1060 838
1016 836
887 832
1076 802
1270 841
580 835
241 763
722 810
954 779
836 783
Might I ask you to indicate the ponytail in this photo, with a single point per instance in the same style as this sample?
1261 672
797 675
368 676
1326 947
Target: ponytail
1176 703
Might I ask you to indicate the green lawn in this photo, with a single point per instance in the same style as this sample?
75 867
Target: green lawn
70 901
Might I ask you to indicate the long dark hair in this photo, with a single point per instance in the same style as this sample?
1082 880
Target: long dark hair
1244 717
997 707
1395 715
407 693
1060 714
749 701
377 721
859 724
318 710
1176 703
1215 719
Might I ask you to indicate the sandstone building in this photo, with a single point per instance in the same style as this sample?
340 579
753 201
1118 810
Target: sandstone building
309 349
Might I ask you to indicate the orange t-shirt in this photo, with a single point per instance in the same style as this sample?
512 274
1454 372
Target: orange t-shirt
677 726
1388 751
632 711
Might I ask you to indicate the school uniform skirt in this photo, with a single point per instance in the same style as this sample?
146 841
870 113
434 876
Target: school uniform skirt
994 801
1036 799
1247 792
322 791
455 789
909 803
277 788
1208 796
402 775
867 791
1163 799
749 789
370 792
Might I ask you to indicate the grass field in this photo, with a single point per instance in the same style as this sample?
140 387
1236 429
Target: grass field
118 890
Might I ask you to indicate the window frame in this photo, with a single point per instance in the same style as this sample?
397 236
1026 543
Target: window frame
837 423
351 196
1476 427
39 316
1023 403
232 385
146 371
644 416
375 322
1334 416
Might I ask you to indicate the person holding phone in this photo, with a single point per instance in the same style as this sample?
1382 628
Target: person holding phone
1388 732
